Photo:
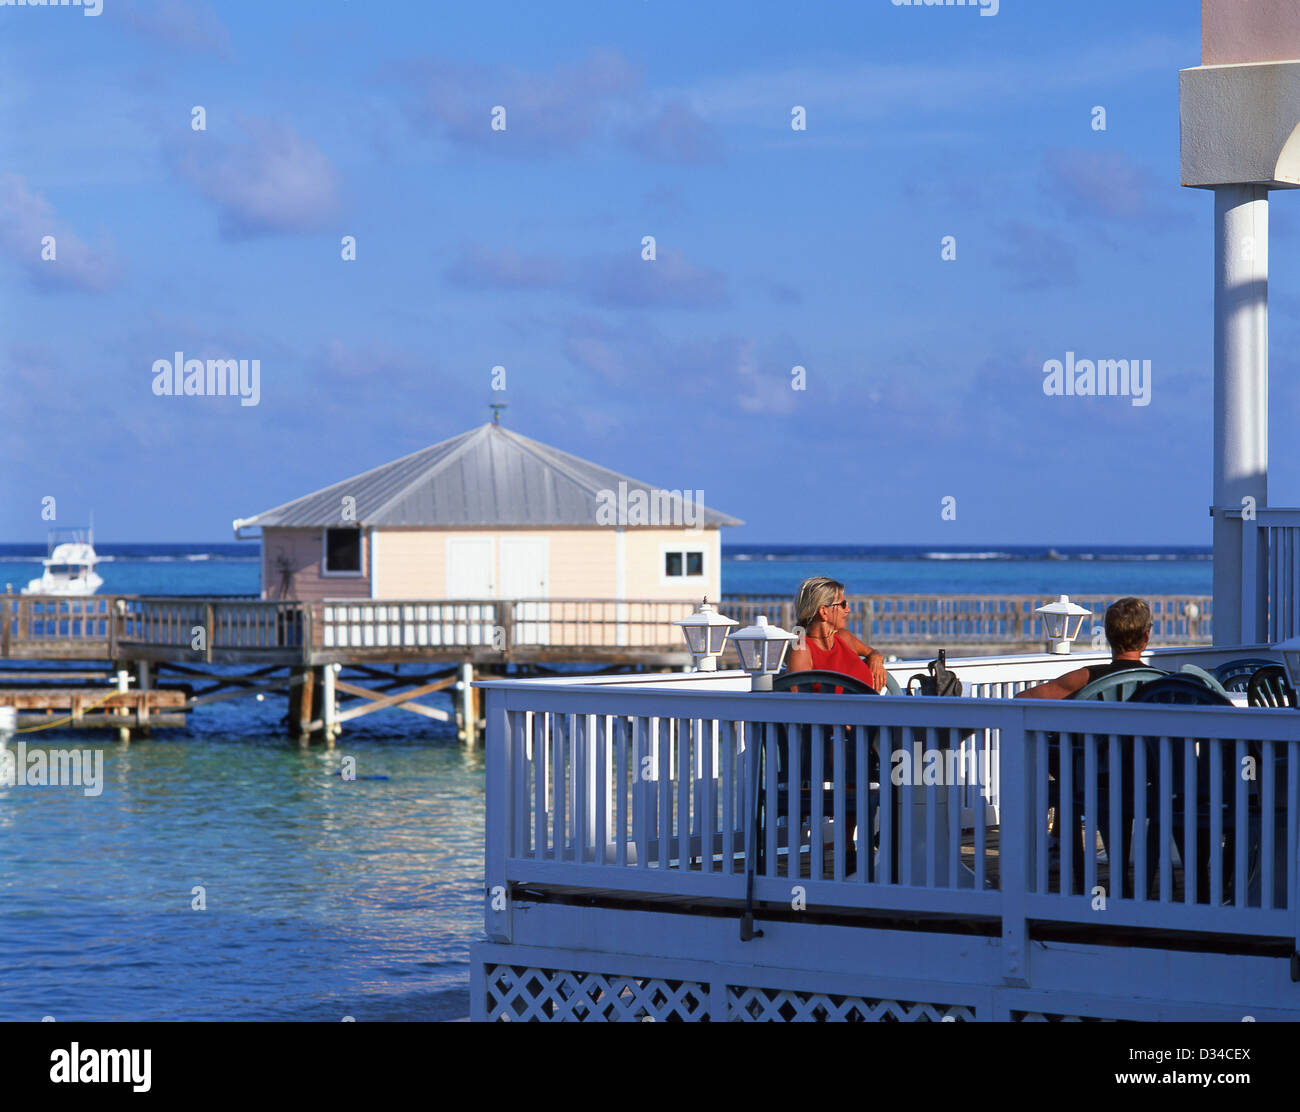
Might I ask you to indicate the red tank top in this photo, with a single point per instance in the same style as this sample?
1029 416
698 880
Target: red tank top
839 658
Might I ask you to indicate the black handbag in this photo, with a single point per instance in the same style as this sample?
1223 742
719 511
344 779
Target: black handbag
940 681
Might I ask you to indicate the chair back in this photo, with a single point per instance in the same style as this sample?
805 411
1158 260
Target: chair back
1184 690
1235 674
1205 677
1269 688
1118 686
822 681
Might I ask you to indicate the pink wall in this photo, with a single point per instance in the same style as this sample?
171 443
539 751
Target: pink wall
302 549
1249 31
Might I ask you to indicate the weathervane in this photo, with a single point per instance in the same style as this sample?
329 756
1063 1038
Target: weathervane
496 408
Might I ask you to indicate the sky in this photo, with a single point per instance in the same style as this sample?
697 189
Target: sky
775 248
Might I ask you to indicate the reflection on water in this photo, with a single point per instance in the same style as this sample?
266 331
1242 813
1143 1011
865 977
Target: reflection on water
325 897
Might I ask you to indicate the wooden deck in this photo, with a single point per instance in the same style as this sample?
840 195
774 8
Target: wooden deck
89 706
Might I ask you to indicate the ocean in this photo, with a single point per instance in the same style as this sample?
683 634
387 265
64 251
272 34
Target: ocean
322 897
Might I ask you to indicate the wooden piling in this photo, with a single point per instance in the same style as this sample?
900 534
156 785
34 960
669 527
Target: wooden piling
468 718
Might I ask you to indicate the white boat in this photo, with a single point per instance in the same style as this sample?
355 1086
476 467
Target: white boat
69 569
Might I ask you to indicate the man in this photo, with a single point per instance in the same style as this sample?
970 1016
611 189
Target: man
1128 629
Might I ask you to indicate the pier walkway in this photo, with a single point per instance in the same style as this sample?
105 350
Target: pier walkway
337 660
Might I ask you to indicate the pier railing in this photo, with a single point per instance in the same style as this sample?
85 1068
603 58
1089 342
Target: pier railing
983 619
297 631
38 625
678 790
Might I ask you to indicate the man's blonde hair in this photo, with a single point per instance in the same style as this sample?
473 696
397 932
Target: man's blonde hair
813 595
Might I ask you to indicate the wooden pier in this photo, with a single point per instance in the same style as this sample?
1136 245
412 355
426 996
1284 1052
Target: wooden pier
338 660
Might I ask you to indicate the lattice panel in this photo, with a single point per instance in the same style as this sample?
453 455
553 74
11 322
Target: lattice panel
526 993
765 1005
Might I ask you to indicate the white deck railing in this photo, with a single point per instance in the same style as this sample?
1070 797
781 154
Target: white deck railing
1270 609
672 788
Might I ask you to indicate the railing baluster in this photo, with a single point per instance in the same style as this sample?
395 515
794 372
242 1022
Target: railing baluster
600 787
685 778
708 813
817 804
621 784
1118 832
1241 836
727 755
953 738
1268 824
1216 823
1166 822
1089 813
663 743
794 802
1042 859
931 807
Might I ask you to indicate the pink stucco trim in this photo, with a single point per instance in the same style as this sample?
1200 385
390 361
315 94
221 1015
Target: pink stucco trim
1249 31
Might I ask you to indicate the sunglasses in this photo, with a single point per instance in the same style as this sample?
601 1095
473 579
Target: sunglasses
843 603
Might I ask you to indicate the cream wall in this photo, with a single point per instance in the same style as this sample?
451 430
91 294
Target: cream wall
412 563
645 561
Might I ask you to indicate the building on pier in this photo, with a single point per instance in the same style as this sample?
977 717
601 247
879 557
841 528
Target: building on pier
490 514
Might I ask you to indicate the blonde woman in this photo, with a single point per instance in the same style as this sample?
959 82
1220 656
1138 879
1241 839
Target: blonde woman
823 614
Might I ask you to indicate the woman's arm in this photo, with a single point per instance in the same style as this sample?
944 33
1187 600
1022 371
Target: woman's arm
875 659
800 659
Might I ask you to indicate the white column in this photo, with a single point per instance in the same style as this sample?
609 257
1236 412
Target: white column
1240 390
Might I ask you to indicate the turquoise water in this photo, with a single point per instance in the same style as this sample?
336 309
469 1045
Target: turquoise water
324 897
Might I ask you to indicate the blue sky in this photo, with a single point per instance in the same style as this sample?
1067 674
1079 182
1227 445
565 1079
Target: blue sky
522 248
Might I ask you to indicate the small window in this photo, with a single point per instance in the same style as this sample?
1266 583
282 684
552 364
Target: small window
343 550
682 565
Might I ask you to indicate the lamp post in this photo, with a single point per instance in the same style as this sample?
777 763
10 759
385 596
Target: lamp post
1057 618
761 648
706 636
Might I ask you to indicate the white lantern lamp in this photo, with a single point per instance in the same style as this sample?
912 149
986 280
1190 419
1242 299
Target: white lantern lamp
706 636
762 649
1290 650
1063 620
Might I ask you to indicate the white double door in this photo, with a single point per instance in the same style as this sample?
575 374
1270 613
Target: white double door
524 564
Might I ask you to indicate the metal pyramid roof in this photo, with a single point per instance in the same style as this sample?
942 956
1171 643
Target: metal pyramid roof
487 476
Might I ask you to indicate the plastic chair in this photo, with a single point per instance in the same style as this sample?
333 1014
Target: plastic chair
1118 686
810 681
1235 674
1112 688
1269 687
817 681
1186 691
1205 677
